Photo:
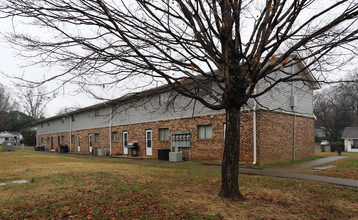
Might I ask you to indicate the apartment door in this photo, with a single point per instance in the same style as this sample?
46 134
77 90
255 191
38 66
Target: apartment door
78 143
58 141
90 143
125 142
148 142
51 143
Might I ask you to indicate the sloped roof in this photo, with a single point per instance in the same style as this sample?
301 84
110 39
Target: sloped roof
350 132
165 88
9 134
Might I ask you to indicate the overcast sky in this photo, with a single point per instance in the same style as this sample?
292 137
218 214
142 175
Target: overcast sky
12 65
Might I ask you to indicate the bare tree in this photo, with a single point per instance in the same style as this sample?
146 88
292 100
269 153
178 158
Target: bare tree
34 101
6 102
234 44
336 107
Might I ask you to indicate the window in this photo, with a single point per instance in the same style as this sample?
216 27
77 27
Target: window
115 109
355 143
163 98
204 132
114 136
163 134
72 138
42 125
63 120
204 86
62 139
42 140
48 124
73 118
96 112
96 137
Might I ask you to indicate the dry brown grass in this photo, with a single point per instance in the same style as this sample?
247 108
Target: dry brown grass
80 187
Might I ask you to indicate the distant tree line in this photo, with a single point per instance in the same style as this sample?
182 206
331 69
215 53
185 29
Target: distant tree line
336 107
13 119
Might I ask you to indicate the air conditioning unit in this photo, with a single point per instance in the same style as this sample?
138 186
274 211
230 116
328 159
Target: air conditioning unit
175 156
102 152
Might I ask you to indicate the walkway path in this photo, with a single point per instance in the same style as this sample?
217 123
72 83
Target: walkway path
283 172
286 172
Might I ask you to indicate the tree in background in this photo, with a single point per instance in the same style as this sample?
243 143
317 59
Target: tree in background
6 105
15 121
6 101
34 101
29 136
336 107
233 44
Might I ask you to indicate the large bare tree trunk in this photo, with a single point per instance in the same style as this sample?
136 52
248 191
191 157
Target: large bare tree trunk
230 164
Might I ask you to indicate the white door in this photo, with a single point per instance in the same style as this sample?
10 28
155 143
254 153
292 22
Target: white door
148 142
90 143
78 143
125 142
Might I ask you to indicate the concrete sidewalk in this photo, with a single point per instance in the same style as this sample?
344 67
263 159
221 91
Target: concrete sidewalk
286 172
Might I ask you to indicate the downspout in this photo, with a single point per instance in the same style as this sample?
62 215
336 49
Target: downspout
293 104
70 117
254 129
294 134
110 135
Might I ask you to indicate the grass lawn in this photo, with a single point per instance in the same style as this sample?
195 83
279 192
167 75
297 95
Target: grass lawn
285 163
64 186
345 168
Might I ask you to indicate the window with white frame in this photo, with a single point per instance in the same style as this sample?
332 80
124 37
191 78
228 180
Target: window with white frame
114 136
163 134
205 131
96 137
164 98
204 88
355 143
96 112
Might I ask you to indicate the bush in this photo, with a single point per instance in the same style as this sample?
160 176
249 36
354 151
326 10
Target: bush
333 147
29 136
340 148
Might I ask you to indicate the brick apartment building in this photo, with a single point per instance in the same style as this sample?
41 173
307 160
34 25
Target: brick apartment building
277 126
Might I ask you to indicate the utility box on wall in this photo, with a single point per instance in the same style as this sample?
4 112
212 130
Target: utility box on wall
179 140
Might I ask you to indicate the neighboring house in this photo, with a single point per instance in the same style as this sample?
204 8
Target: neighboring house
278 126
350 136
320 132
10 136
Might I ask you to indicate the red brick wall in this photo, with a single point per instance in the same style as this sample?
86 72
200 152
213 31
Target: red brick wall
275 137
274 132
